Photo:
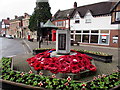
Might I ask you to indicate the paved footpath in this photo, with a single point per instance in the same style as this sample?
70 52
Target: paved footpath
102 68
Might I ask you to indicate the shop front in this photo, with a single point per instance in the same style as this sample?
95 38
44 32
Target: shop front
96 37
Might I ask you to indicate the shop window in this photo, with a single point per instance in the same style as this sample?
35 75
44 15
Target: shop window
94 31
78 38
71 36
94 39
85 39
104 39
72 31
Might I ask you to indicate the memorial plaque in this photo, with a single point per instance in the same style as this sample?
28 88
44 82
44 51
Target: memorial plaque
62 42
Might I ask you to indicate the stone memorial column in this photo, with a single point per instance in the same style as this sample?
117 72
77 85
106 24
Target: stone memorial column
63 42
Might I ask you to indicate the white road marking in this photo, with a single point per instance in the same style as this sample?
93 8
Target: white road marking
11 56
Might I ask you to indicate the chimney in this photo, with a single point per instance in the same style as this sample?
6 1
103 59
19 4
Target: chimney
75 4
8 18
25 14
16 16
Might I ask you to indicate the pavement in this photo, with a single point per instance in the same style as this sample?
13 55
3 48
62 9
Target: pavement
20 64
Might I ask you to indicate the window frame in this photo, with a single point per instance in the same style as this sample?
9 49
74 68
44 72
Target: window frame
117 15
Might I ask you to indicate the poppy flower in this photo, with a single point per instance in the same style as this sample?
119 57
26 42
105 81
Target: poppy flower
63 64
75 69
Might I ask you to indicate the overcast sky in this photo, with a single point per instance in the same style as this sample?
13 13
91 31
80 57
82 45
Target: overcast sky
10 8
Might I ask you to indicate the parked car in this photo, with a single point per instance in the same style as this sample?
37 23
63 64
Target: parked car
74 42
9 36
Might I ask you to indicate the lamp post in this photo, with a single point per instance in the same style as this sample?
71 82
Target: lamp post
39 33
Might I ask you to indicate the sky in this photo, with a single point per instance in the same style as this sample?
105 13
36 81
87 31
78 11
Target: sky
10 8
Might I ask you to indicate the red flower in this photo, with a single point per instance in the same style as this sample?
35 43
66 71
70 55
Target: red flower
63 64
75 69
37 66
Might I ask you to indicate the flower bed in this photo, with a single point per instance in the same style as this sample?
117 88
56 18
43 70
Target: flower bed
34 81
63 64
99 56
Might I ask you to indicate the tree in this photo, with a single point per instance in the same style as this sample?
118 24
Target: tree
41 14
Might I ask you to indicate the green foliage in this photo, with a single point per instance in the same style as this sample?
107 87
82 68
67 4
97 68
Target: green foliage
41 14
103 83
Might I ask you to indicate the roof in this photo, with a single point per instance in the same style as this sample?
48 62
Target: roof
17 19
97 9
115 6
49 24
63 14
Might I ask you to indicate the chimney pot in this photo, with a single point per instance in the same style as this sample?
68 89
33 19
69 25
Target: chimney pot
75 4
8 18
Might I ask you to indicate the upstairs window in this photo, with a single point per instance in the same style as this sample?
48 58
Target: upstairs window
88 18
117 16
60 23
77 18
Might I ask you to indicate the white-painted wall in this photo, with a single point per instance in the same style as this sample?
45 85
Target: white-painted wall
98 23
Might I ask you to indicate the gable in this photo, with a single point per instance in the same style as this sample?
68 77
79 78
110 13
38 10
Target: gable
115 19
88 14
76 16
116 7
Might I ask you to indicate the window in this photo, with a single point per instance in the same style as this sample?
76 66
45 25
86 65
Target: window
104 39
104 31
60 23
77 21
78 38
78 31
88 21
72 36
71 31
94 31
94 39
117 16
88 18
86 31
77 18
85 38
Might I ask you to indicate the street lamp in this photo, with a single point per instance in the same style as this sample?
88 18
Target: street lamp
39 33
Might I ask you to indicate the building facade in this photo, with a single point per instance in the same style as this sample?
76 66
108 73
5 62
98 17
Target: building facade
5 25
92 24
19 27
